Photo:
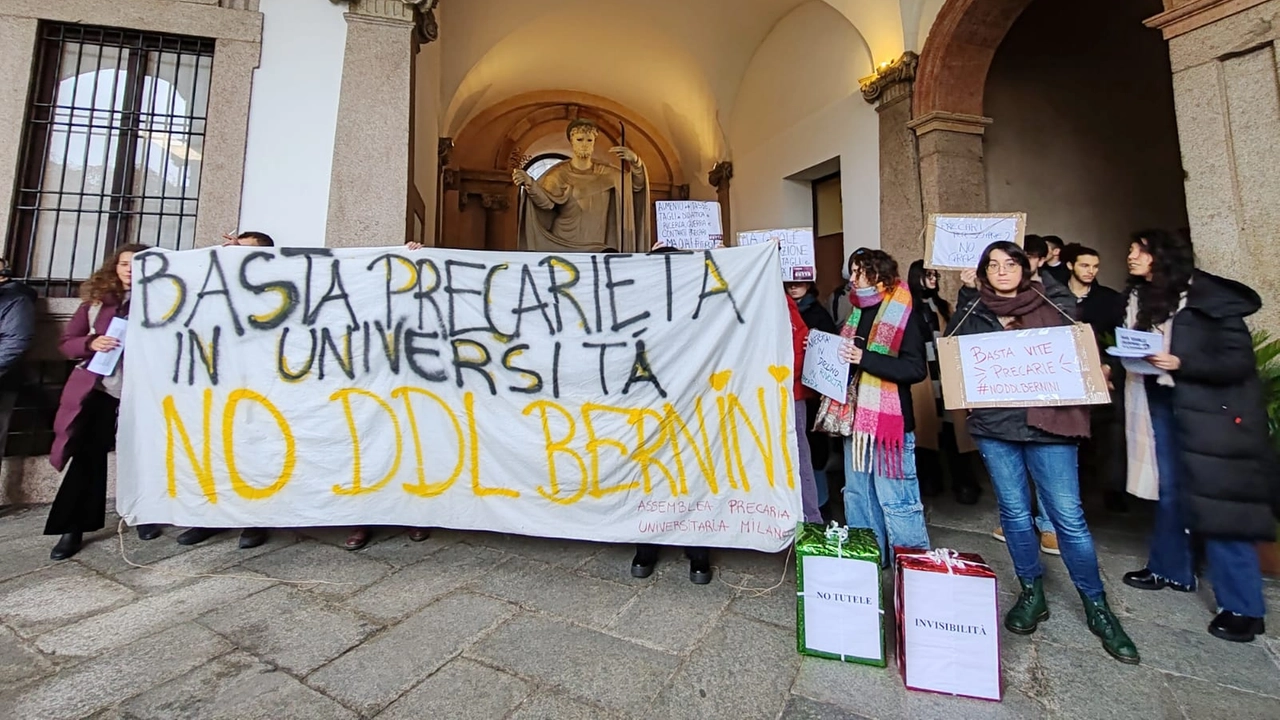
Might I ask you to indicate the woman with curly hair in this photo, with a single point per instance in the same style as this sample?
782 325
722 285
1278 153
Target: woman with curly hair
1197 432
884 343
85 426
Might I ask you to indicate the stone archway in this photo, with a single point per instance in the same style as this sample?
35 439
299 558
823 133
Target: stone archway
947 111
957 55
478 208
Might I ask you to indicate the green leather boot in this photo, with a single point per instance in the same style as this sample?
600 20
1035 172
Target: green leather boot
1105 624
1025 616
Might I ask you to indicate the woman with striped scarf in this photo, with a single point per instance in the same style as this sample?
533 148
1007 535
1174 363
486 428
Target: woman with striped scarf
885 347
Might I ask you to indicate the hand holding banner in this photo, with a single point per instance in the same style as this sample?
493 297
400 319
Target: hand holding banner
615 398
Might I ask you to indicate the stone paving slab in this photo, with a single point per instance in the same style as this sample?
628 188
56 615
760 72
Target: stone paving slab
94 685
235 686
588 664
381 669
289 628
461 690
493 626
60 595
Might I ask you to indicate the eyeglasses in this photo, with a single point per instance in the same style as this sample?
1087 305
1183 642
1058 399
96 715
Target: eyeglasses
1008 267
930 275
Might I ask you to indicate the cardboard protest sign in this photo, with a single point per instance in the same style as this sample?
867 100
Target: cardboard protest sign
1024 368
956 242
799 262
689 224
615 398
824 371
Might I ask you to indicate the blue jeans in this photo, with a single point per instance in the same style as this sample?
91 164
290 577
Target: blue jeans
1234 570
1043 523
1053 467
891 507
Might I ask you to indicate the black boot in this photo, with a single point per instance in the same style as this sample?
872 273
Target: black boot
68 545
252 538
195 536
700 569
644 562
1144 579
1236 628
148 532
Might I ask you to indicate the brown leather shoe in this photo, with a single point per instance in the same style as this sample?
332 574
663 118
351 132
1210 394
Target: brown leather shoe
358 538
419 534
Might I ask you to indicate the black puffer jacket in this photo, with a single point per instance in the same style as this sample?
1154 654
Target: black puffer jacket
1232 483
972 317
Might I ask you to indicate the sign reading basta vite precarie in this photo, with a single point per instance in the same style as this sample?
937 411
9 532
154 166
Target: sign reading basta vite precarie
619 398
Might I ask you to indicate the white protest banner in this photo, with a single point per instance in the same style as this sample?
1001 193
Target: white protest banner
956 242
799 261
824 371
616 398
1024 368
689 224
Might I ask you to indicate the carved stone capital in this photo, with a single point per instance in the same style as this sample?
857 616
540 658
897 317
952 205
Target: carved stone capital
443 148
450 178
495 203
418 13
950 122
721 173
891 80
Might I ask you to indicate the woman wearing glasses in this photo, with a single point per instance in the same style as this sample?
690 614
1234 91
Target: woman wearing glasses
1040 439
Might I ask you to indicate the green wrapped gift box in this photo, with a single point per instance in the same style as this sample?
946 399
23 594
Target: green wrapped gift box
839 613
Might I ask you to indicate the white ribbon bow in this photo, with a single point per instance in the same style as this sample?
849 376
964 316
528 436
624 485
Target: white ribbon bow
840 534
948 557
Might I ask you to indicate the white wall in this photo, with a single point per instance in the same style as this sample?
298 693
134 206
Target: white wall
799 106
293 117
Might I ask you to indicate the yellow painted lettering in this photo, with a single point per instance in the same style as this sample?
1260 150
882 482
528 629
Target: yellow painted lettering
357 482
238 483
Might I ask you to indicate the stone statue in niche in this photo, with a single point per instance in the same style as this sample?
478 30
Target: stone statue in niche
582 205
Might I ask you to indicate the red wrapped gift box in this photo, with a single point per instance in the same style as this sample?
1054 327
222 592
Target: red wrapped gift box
947 607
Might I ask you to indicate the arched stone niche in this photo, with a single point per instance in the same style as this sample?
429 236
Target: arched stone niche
479 201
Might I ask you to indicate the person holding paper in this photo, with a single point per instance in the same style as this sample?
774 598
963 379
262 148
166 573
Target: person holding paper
85 425
817 318
944 449
1039 439
1037 250
1199 442
884 342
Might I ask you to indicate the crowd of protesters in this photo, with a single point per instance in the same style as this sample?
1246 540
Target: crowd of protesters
1192 434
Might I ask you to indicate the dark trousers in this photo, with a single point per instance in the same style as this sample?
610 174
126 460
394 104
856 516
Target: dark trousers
81 505
649 553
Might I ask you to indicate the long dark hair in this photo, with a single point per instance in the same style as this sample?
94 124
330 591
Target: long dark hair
1173 260
1014 252
915 281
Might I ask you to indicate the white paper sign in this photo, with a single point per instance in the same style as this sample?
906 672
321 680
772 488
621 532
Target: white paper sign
799 261
824 371
842 607
104 363
572 396
951 634
1028 365
689 224
956 242
1136 344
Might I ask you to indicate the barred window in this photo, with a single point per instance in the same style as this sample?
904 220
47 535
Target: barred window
112 150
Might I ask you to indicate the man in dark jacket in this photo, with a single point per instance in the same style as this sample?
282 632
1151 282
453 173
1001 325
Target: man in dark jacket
1103 455
17 327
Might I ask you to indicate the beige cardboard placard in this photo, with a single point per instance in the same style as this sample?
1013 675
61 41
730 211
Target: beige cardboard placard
956 241
1022 368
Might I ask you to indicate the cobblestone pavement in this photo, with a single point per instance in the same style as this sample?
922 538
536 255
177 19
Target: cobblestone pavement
478 625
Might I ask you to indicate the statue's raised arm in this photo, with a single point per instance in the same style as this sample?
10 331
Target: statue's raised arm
583 205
